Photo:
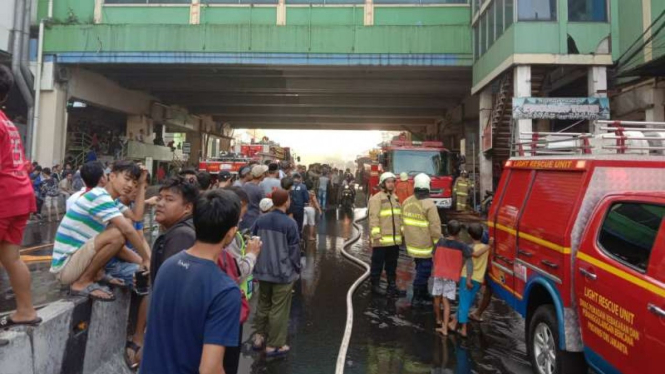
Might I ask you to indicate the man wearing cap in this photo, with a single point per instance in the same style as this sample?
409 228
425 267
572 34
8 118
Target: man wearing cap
255 194
244 176
224 179
266 205
272 180
277 268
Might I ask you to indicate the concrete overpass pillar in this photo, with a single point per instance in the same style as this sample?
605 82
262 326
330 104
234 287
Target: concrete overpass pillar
137 123
51 134
656 113
522 88
195 140
484 163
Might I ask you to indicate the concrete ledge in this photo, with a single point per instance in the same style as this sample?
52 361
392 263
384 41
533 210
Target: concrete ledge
50 338
96 339
16 358
107 332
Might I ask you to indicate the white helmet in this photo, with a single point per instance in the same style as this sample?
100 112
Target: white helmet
421 181
386 175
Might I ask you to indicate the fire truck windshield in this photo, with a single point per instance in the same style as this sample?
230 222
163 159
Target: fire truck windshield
414 162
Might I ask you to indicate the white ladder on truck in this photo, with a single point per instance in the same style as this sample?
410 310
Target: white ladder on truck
610 137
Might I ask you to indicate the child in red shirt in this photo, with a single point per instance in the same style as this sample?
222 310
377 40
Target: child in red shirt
450 255
17 201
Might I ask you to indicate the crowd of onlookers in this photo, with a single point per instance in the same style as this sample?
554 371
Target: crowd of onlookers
222 240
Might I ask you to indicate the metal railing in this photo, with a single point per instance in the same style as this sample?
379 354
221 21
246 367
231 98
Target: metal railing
635 137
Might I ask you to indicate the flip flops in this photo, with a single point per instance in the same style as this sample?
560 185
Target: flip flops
112 282
130 345
475 318
87 292
258 342
278 352
7 322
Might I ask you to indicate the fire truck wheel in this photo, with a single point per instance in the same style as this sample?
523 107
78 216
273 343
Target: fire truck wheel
544 352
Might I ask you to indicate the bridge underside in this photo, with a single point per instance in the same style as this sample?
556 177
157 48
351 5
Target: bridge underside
302 97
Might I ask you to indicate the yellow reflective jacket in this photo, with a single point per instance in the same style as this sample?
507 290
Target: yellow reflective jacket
422 226
385 220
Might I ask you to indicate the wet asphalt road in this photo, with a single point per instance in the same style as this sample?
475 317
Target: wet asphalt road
388 335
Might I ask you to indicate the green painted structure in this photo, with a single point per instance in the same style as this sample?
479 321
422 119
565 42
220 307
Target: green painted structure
404 29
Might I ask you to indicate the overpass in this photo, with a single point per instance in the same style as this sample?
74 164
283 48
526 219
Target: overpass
445 69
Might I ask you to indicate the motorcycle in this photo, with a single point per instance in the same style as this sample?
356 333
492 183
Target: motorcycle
348 196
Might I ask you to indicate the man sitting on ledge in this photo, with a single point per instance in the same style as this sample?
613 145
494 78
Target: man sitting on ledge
93 231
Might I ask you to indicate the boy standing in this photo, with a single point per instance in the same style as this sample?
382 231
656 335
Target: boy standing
51 192
195 307
449 256
468 294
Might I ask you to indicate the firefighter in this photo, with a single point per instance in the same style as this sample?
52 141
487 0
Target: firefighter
403 188
461 191
385 221
422 230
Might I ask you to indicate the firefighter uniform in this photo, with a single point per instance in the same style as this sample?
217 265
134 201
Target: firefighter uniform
385 221
422 230
461 192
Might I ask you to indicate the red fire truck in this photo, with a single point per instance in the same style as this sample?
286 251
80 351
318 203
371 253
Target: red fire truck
230 163
414 157
579 248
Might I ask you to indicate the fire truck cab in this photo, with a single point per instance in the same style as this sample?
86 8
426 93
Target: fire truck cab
413 157
579 250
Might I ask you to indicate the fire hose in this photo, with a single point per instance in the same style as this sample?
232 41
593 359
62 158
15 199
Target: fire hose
341 356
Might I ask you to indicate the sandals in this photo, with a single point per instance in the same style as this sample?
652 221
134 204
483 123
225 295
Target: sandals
87 292
278 352
475 318
7 322
258 342
130 345
112 282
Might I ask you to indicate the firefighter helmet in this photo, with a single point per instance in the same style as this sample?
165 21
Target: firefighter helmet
403 176
421 181
386 175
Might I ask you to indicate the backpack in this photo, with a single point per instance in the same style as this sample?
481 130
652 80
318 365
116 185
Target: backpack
228 265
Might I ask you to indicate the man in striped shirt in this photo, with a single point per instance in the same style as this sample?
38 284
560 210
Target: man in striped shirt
93 231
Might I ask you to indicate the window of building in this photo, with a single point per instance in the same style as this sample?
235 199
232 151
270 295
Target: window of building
483 34
536 10
476 43
499 18
587 10
491 15
629 231
508 11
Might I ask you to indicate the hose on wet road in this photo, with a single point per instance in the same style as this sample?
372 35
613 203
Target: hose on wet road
359 215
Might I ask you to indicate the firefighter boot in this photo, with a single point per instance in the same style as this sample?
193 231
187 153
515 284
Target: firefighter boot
393 291
416 301
376 288
425 297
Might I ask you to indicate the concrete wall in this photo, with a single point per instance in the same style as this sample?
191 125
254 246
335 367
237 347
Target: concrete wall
77 336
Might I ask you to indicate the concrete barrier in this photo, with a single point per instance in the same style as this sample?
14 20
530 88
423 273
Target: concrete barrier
77 336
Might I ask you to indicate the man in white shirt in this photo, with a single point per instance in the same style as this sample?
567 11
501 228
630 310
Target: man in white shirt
91 181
